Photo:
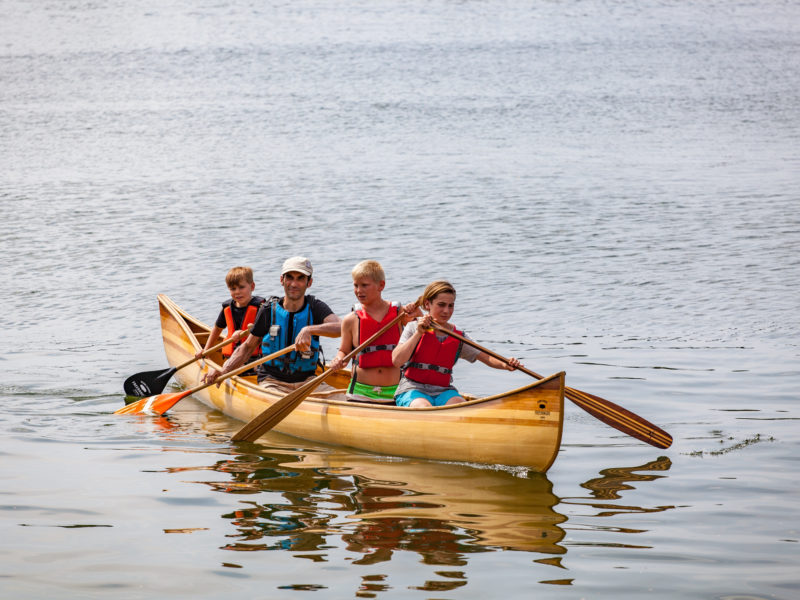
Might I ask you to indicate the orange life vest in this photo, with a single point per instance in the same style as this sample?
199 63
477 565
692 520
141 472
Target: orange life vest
432 361
249 319
379 354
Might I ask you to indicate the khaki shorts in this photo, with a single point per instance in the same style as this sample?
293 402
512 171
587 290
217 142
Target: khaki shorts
285 387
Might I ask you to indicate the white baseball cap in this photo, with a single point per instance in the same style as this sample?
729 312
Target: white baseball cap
297 263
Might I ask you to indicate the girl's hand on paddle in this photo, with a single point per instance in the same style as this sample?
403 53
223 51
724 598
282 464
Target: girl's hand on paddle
424 324
512 364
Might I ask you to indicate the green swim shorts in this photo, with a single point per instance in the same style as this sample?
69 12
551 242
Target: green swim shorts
359 392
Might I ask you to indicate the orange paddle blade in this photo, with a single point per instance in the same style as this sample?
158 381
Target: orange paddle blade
153 405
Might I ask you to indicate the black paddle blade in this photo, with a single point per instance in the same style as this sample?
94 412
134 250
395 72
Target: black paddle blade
148 383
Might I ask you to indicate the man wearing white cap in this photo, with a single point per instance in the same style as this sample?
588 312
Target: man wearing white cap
298 319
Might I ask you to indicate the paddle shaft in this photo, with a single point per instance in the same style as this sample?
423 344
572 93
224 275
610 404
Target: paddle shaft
477 346
609 413
237 335
149 383
243 368
281 409
170 400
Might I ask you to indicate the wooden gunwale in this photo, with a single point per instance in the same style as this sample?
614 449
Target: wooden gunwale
520 427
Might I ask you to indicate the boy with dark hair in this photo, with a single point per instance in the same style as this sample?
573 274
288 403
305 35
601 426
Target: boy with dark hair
238 312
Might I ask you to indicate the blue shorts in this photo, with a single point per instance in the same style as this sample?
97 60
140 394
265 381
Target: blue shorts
406 398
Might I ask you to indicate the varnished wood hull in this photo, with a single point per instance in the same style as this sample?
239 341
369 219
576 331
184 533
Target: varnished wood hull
521 427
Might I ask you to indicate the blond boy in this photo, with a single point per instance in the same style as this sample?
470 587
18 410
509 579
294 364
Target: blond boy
374 377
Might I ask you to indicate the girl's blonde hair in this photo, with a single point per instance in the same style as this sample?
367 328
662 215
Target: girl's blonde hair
434 289
369 268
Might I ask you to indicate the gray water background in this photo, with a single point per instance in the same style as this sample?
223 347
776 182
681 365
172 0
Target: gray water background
611 186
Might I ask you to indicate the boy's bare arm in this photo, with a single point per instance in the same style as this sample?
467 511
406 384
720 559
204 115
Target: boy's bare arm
212 339
348 330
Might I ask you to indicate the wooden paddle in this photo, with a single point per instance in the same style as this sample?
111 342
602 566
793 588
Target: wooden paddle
163 402
149 383
604 410
281 409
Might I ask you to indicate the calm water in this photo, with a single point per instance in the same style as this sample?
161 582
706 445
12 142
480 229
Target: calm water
611 186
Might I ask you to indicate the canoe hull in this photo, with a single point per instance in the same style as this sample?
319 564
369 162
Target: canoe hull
521 427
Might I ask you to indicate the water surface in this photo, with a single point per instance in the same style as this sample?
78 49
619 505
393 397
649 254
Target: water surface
612 189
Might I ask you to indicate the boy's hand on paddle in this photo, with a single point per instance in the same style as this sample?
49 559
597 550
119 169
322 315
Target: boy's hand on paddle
412 310
211 376
337 364
512 364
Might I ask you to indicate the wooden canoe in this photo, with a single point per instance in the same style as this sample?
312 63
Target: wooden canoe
521 427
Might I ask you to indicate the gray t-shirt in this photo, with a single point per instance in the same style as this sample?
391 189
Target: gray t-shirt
466 352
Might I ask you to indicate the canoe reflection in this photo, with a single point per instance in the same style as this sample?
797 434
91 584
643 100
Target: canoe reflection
377 506
309 500
432 507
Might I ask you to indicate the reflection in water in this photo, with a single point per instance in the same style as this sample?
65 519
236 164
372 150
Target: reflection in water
615 480
456 504
379 506
309 501
148 424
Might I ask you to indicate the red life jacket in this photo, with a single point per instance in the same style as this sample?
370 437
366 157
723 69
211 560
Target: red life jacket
432 361
249 319
379 354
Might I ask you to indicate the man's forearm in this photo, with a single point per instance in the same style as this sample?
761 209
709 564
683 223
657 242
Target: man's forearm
237 359
328 329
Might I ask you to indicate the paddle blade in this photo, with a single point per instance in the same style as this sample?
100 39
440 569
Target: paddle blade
275 413
147 383
153 405
620 418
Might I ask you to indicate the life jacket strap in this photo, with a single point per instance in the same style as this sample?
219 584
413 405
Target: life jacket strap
378 348
430 367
